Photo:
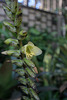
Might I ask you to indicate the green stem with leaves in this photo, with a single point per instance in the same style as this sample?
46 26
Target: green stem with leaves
25 67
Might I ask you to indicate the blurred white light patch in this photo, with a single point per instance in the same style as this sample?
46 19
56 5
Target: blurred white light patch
20 1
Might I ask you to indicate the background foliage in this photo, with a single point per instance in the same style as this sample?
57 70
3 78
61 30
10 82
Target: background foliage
52 64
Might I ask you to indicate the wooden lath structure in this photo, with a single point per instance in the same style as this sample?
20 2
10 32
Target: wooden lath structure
47 5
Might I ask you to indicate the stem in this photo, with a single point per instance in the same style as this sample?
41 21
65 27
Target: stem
22 55
20 42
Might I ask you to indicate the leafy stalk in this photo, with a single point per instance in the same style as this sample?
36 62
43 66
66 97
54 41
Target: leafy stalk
25 67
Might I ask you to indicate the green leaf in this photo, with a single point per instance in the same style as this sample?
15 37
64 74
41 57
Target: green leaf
14 6
33 93
6 8
29 63
8 2
20 71
31 83
8 12
30 72
18 18
25 89
12 42
22 35
26 98
10 26
15 53
17 62
22 80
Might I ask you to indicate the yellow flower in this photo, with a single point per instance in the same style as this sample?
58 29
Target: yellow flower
31 50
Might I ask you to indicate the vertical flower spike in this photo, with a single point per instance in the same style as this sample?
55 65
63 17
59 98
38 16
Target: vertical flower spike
25 67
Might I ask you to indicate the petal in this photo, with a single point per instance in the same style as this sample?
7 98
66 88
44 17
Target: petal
36 51
30 43
29 55
30 50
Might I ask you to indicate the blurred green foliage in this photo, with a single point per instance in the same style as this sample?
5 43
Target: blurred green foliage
52 61
7 83
4 34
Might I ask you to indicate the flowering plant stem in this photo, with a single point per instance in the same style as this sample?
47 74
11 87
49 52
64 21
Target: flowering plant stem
26 69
